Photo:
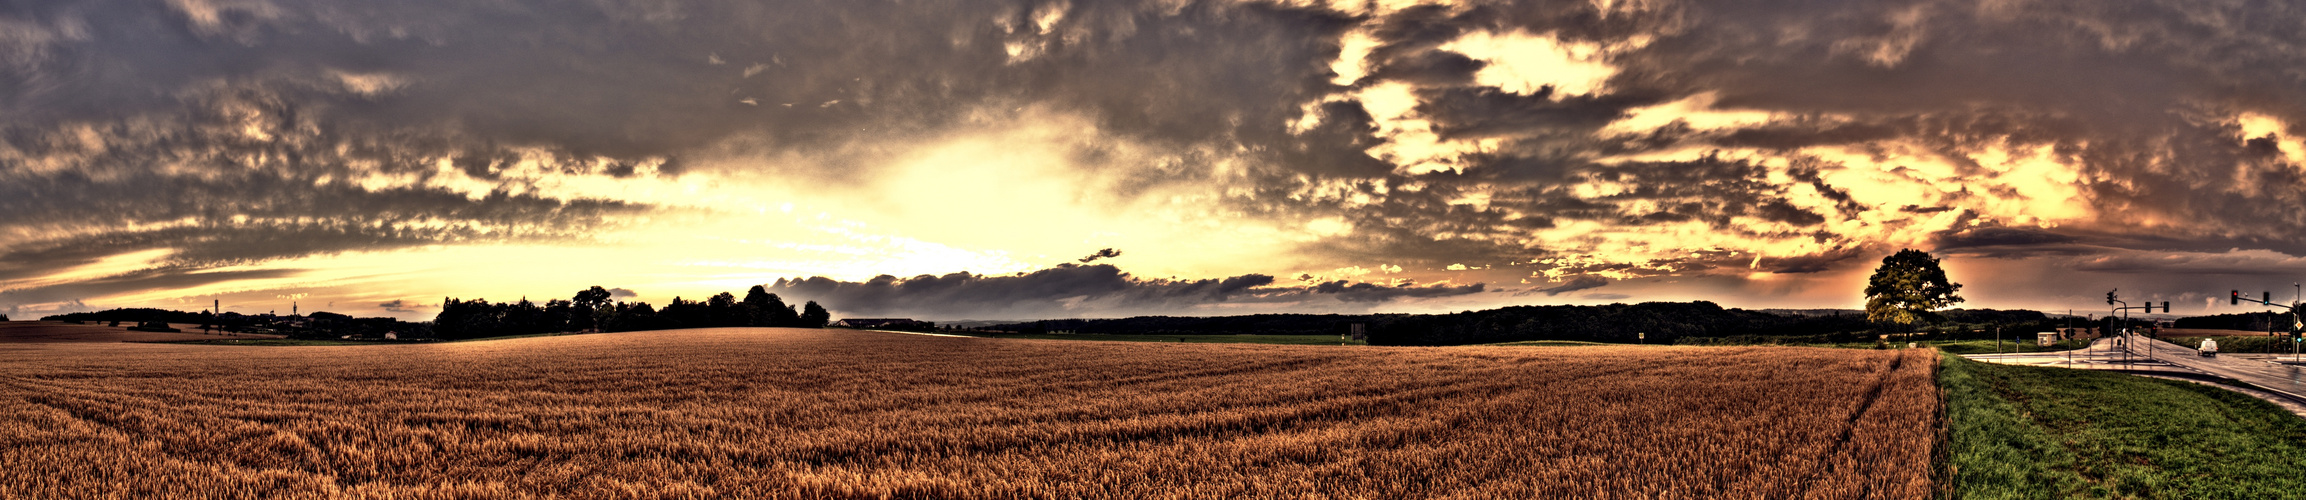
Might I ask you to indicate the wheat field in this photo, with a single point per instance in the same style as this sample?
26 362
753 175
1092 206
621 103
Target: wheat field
782 413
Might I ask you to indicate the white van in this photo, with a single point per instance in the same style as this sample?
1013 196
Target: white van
2209 348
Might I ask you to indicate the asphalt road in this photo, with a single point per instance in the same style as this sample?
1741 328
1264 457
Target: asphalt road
2282 383
2277 377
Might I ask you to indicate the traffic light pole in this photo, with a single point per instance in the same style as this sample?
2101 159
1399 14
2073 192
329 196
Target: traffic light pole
2124 308
2267 299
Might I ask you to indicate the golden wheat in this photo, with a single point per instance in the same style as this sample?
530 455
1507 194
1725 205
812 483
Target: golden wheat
778 413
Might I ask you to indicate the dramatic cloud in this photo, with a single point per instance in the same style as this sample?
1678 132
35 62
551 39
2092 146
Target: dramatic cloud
1101 254
157 151
1574 284
1086 291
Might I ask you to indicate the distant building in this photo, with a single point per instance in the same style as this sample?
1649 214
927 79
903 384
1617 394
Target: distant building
872 322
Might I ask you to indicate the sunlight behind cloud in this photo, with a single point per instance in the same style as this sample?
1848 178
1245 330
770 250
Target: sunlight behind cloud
1521 63
2256 125
1697 110
1411 144
108 266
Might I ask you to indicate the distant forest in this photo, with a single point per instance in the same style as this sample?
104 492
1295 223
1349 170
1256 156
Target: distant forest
133 315
317 325
1662 322
2256 322
591 310
588 310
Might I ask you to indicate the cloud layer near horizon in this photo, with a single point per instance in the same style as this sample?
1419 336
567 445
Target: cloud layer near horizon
151 150
1089 291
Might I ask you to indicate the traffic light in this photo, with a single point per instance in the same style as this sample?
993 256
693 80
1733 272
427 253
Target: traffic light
2165 307
2266 297
2110 296
2234 298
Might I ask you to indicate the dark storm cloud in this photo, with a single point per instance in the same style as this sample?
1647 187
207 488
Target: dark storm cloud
1812 263
1101 254
1998 237
1370 292
120 113
1074 290
147 279
2191 264
1571 285
2133 92
246 130
1483 112
2138 96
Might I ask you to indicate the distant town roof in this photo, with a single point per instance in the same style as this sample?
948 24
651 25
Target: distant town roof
872 322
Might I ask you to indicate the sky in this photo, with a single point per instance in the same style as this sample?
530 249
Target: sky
986 159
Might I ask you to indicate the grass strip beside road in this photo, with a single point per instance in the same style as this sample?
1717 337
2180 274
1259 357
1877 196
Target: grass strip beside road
1949 346
2036 432
2009 346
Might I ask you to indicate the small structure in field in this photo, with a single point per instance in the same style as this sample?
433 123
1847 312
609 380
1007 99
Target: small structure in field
2046 339
872 322
153 326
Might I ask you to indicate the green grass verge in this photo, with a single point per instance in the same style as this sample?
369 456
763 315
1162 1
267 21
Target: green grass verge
1990 347
1189 339
1952 346
2035 432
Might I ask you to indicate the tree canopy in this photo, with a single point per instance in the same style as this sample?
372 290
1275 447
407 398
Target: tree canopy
1909 289
593 309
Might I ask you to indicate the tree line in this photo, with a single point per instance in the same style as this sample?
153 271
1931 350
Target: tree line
315 325
134 314
591 310
2253 321
1651 322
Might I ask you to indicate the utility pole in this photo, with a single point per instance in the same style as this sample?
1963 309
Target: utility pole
2111 299
2266 298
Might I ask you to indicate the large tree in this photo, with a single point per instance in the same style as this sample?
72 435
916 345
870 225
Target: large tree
815 316
761 307
1909 289
591 308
